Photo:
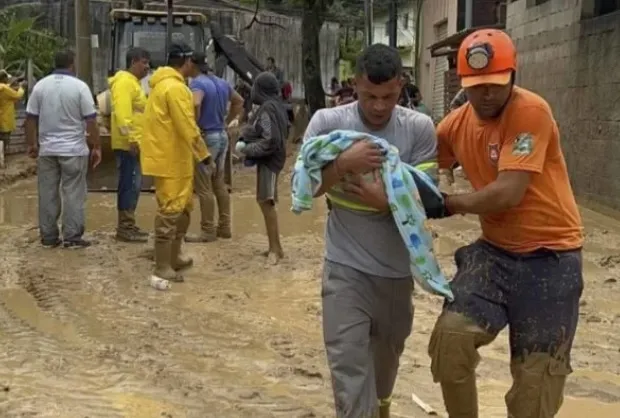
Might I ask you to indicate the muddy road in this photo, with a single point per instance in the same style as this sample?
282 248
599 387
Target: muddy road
83 335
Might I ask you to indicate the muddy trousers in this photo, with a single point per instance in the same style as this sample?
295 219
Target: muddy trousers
211 189
127 195
174 205
62 189
366 320
537 296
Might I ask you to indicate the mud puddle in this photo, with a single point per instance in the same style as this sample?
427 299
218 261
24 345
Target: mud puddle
82 334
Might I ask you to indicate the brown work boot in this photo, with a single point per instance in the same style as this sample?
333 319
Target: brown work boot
126 230
202 237
224 231
131 216
165 235
179 261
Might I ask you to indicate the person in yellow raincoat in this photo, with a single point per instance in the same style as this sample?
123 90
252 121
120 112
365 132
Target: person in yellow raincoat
10 93
128 101
171 146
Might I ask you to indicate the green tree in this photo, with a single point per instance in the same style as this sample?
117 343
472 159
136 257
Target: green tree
20 40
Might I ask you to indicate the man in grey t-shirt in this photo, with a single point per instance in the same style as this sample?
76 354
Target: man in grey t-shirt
367 283
59 115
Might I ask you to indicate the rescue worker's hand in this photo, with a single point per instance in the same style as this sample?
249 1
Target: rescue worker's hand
33 151
370 192
207 161
134 149
438 212
361 157
95 157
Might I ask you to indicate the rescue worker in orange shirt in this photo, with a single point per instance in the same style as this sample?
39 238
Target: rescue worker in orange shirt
525 272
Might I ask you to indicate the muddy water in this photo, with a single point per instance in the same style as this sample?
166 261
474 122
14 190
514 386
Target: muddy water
81 333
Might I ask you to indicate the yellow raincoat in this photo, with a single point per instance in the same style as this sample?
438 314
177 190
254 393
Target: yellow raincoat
8 97
171 141
128 102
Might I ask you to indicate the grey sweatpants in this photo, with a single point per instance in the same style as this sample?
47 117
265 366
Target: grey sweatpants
62 187
366 320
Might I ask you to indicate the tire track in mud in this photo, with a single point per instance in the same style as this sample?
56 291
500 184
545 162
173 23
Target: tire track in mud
132 325
42 362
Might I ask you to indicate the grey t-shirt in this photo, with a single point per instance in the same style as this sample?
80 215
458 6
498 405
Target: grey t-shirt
367 241
62 102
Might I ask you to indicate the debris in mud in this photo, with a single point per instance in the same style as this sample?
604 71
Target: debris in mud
315 374
159 284
594 319
609 261
610 280
249 394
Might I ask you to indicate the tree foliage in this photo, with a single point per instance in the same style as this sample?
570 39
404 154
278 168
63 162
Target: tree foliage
21 40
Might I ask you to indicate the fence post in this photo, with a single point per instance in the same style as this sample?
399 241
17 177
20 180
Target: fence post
1 154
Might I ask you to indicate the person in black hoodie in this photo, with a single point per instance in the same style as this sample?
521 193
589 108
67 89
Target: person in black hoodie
263 141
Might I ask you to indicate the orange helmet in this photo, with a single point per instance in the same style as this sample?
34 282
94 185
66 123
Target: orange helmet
486 56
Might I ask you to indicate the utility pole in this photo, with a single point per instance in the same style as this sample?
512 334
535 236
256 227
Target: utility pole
393 23
368 26
169 28
469 13
83 52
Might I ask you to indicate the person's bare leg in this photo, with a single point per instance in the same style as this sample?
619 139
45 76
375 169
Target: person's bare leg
273 231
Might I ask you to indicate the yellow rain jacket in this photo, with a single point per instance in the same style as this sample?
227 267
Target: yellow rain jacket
8 97
171 141
128 102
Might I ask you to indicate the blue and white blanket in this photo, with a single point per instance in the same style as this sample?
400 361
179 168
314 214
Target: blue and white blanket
402 192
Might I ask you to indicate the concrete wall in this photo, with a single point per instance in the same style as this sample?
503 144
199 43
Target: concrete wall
573 61
433 13
284 44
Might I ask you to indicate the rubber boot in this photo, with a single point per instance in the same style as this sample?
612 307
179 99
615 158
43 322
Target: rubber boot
179 261
384 411
165 235
207 225
126 229
137 231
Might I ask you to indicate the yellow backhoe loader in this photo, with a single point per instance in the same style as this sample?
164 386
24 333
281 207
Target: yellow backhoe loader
155 30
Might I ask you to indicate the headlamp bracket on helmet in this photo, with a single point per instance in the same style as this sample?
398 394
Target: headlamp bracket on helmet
479 56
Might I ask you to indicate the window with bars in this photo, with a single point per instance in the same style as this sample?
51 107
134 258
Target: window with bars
595 8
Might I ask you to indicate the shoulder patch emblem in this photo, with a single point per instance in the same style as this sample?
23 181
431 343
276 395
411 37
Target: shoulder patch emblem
494 153
523 145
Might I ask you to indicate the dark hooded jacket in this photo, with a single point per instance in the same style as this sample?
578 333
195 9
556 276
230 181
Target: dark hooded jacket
267 130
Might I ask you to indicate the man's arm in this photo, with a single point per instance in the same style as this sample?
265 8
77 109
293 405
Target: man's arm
198 96
89 114
523 155
120 93
13 93
332 173
181 106
236 106
263 147
32 118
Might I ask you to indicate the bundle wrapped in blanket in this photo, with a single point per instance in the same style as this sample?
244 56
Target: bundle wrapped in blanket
408 190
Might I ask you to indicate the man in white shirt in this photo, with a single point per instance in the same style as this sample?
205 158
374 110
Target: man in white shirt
61 109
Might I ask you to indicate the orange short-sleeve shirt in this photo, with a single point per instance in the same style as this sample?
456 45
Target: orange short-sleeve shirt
524 138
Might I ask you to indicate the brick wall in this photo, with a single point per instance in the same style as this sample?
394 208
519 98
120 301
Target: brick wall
573 63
